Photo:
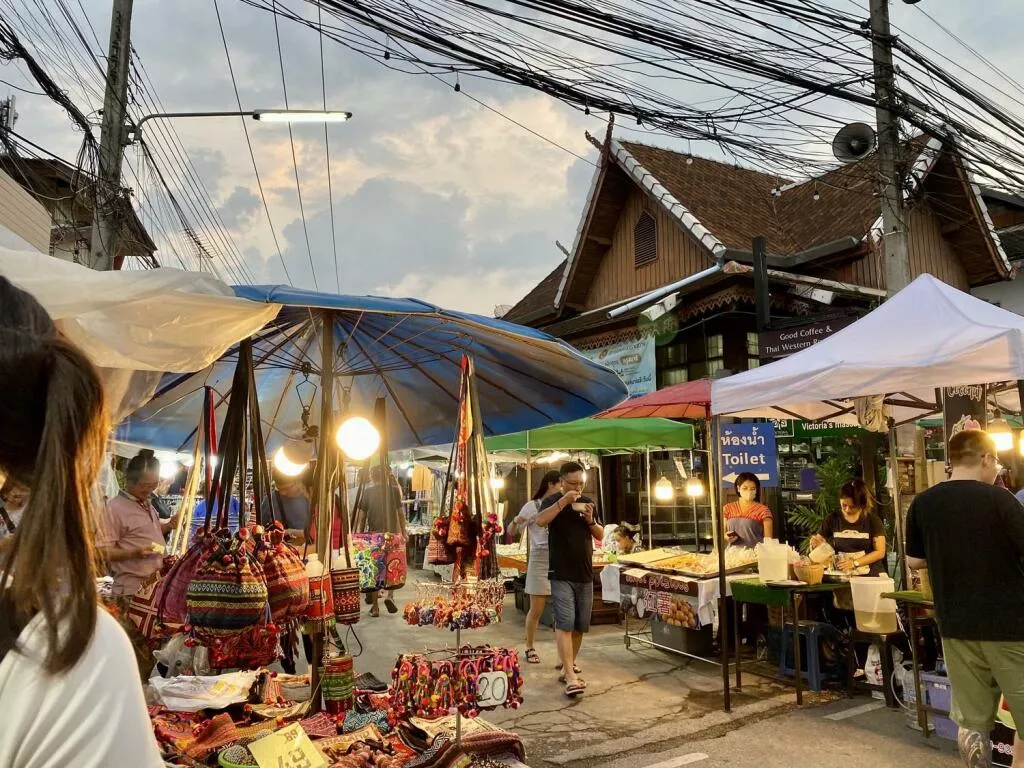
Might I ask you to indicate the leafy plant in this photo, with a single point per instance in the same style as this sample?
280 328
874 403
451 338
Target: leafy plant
807 519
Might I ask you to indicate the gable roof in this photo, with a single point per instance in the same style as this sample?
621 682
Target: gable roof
539 302
724 206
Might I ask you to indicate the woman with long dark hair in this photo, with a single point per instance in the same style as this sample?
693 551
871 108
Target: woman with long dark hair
538 587
68 686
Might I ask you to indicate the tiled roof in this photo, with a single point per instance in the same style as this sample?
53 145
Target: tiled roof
539 302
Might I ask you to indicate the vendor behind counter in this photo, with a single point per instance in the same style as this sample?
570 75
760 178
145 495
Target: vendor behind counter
855 532
748 521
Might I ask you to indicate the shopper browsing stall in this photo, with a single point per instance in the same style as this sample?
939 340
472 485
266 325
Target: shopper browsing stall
379 510
68 691
538 563
748 521
572 528
855 532
969 534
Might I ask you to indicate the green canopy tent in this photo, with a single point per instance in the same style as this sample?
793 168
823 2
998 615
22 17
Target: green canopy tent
603 436
599 436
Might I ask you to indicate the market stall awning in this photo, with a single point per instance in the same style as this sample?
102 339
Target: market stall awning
404 350
928 335
690 400
598 435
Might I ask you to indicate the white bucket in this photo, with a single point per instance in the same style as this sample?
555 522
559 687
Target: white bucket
872 612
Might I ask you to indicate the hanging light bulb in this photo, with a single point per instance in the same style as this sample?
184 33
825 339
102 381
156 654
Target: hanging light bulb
664 490
358 438
168 465
694 488
497 483
1000 432
187 461
292 458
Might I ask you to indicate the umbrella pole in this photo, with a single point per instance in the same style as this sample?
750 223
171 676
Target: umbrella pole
324 501
650 511
714 428
529 487
897 502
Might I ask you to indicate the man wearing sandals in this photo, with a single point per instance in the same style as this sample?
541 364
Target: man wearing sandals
572 528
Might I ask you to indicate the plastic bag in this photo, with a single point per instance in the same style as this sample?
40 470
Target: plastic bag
191 693
873 667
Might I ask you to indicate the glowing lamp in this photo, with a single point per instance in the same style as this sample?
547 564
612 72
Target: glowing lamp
168 466
664 490
1000 432
497 483
694 488
292 459
358 438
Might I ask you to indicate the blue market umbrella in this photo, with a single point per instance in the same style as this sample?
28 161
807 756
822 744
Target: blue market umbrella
404 350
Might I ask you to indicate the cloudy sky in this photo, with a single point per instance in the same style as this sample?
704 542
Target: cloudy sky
435 196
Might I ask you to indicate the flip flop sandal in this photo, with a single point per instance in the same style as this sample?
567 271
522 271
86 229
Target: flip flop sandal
574 690
580 681
532 657
390 605
575 668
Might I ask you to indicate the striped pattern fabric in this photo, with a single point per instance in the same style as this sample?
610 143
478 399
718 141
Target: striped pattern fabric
287 582
227 594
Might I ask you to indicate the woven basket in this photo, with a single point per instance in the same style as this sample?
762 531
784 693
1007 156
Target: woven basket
812 573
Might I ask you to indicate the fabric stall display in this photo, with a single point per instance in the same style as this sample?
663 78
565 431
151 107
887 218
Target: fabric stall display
445 753
487 551
337 681
287 583
431 688
462 606
437 548
380 559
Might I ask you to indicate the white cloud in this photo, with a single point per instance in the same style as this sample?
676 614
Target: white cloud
478 292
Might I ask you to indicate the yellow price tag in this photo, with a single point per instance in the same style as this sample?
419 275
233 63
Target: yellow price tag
288 748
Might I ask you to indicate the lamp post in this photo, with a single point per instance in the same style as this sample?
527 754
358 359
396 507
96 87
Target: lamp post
260 115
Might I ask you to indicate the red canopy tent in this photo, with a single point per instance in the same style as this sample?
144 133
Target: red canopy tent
691 400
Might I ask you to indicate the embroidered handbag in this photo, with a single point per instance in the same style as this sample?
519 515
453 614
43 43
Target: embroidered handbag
345 587
369 558
395 561
144 605
438 552
228 593
287 583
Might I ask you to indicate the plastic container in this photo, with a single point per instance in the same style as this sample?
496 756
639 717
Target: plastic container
871 611
823 553
772 561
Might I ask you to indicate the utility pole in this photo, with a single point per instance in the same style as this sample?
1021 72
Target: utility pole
894 238
107 217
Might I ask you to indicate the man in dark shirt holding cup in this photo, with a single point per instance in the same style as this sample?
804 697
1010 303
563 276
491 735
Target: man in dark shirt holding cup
969 534
572 528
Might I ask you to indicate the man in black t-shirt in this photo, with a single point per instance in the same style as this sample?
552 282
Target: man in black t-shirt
969 534
572 528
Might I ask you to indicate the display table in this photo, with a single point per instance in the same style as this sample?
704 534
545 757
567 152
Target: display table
915 602
780 595
685 604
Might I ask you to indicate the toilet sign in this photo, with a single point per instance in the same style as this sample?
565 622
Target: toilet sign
749 448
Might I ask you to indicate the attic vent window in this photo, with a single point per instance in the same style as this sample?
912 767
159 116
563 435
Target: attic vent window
645 240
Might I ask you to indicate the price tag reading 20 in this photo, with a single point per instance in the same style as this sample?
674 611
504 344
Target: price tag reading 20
491 689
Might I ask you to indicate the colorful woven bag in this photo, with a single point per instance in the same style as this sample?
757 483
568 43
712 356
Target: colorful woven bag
228 593
396 565
144 605
438 552
287 583
172 599
345 587
369 558
252 648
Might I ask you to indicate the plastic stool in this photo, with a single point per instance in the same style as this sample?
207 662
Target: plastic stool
811 634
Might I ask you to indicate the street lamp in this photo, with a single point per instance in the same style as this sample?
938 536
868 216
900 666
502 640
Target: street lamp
262 115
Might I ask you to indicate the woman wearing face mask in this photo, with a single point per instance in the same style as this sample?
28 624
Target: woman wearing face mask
69 691
748 521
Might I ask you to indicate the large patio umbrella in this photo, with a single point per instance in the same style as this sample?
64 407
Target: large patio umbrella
404 350
690 400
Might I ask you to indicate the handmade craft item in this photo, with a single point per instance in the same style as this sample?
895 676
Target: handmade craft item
337 681
287 582
345 591
228 593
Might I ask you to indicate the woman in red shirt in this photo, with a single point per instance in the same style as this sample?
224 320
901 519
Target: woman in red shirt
748 521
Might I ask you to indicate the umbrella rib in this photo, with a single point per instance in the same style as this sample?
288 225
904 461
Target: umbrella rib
391 392
291 378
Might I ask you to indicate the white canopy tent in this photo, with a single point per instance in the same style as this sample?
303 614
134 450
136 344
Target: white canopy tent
136 325
927 336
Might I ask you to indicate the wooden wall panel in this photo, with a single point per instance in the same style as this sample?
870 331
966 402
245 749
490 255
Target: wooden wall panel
679 255
931 252
23 214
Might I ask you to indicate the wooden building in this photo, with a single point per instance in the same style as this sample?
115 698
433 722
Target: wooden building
655 217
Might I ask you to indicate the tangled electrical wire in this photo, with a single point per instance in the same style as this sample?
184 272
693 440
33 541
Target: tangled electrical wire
780 76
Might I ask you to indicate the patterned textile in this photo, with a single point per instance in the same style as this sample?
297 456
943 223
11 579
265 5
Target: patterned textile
319 726
227 594
120 609
356 720
380 559
438 552
173 590
176 730
288 712
144 606
287 583
251 648
345 588
217 733
246 734
369 733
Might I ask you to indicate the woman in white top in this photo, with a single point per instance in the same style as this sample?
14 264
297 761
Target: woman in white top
69 691
538 587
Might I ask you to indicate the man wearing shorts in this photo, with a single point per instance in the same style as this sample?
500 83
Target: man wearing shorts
969 534
572 528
